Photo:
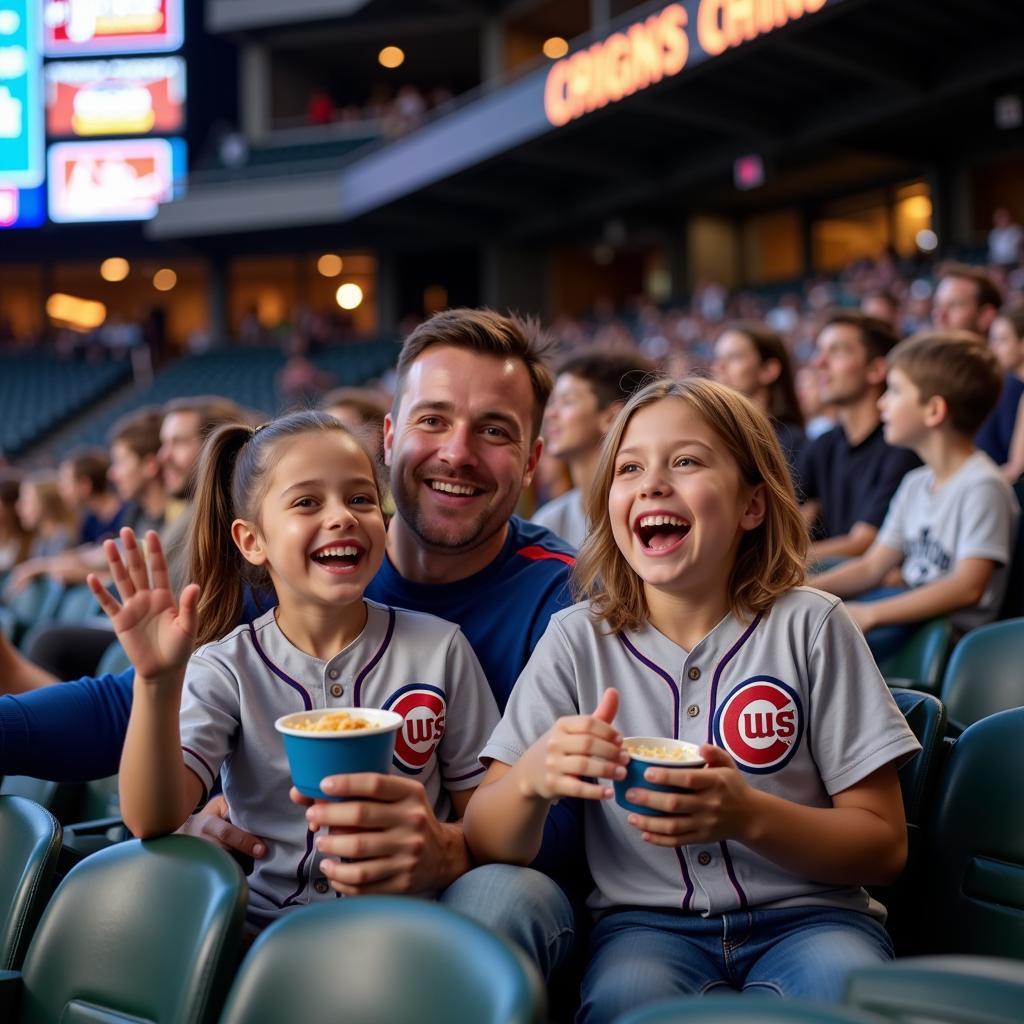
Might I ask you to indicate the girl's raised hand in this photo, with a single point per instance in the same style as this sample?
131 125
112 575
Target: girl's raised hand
157 635
575 747
720 804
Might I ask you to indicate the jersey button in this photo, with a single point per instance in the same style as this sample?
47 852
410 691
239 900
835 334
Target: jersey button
694 673
693 711
337 690
704 858
321 885
332 673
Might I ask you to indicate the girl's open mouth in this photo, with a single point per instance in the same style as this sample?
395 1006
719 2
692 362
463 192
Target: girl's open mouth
661 532
339 558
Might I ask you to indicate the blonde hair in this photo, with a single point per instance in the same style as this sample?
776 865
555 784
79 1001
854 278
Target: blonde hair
771 557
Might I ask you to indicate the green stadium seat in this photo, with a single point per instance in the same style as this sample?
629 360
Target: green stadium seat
77 606
972 893
920 662
379 960
745 1009
141 932
942 990
985 674
30 838
35 603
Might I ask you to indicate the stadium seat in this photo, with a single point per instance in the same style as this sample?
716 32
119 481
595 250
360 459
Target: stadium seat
941 990
30 838
985 674
926 716
920 662
77 606
745 1009
36 602
114 660
972 896
403 960
143 931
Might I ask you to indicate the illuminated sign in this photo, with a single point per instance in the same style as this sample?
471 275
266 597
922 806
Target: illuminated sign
125 180
21 122
659 47
73 27
132 96
22 207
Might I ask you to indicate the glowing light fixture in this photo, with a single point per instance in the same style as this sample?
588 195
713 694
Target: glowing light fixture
349 296
927 240
391 57
555 47
81 314
114 269
330 265
164 279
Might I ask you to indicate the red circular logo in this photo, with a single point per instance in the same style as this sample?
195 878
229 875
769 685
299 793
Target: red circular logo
423 708
760 724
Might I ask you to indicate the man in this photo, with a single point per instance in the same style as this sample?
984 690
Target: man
848 476
462 440
589 392
967 299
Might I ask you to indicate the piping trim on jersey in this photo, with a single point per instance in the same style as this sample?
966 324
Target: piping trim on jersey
357 689
209 771
307 701
468 775
536 553
688 896
719 668
300 875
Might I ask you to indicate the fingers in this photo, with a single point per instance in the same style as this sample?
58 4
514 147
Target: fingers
105 599
134 561
157 562
609 706
357 814
298 798
187 619
357 845
123 582
667 803
371 786
363 878
588 724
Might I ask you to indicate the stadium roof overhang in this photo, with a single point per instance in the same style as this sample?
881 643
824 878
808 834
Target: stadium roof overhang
651 115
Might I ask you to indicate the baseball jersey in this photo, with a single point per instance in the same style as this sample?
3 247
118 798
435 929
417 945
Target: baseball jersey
415 664
564 517
972 515
793 695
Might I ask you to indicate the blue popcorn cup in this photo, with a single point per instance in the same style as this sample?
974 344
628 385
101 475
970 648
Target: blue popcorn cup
313 755
680 755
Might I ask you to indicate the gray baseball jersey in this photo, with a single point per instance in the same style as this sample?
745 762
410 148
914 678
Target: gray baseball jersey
564 517
415 664
794 696
972 515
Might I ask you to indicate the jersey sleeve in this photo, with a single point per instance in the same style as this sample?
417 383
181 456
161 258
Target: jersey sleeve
893 531
471 716
987 522
68 732
557 597
855 725
210 718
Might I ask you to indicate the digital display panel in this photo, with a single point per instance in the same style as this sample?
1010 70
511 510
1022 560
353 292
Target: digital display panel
21 122
113 180
22 207
127 96
80 27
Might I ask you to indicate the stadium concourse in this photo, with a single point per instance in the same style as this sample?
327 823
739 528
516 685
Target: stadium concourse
771 194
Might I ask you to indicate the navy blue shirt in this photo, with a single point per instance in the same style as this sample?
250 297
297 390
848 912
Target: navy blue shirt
851 483
996 432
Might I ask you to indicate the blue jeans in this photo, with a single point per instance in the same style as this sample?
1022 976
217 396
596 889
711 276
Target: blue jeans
885 641
641 956
522 905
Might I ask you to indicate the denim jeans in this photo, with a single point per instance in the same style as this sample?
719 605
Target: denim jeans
886 641
522 905
641 956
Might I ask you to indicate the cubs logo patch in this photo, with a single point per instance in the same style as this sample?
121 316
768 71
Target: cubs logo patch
760 724
423 709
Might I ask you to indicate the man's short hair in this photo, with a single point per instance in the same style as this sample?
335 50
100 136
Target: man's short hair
956 366
89 463
988 292
139 431
488 333
612 376
212 411
877 337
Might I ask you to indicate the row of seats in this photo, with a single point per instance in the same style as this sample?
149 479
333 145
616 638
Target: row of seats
962 894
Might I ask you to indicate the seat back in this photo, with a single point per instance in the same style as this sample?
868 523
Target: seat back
114 660
745 1009
30 839
942 990
78 606
973 868
985 674
380 959
920 661
36 602
143 930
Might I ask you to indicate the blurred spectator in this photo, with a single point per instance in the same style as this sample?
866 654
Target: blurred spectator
15 540
362 410
1004 240
818 417
135 469
882 305
301 380
43 512
320 108
1006 339
86 489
